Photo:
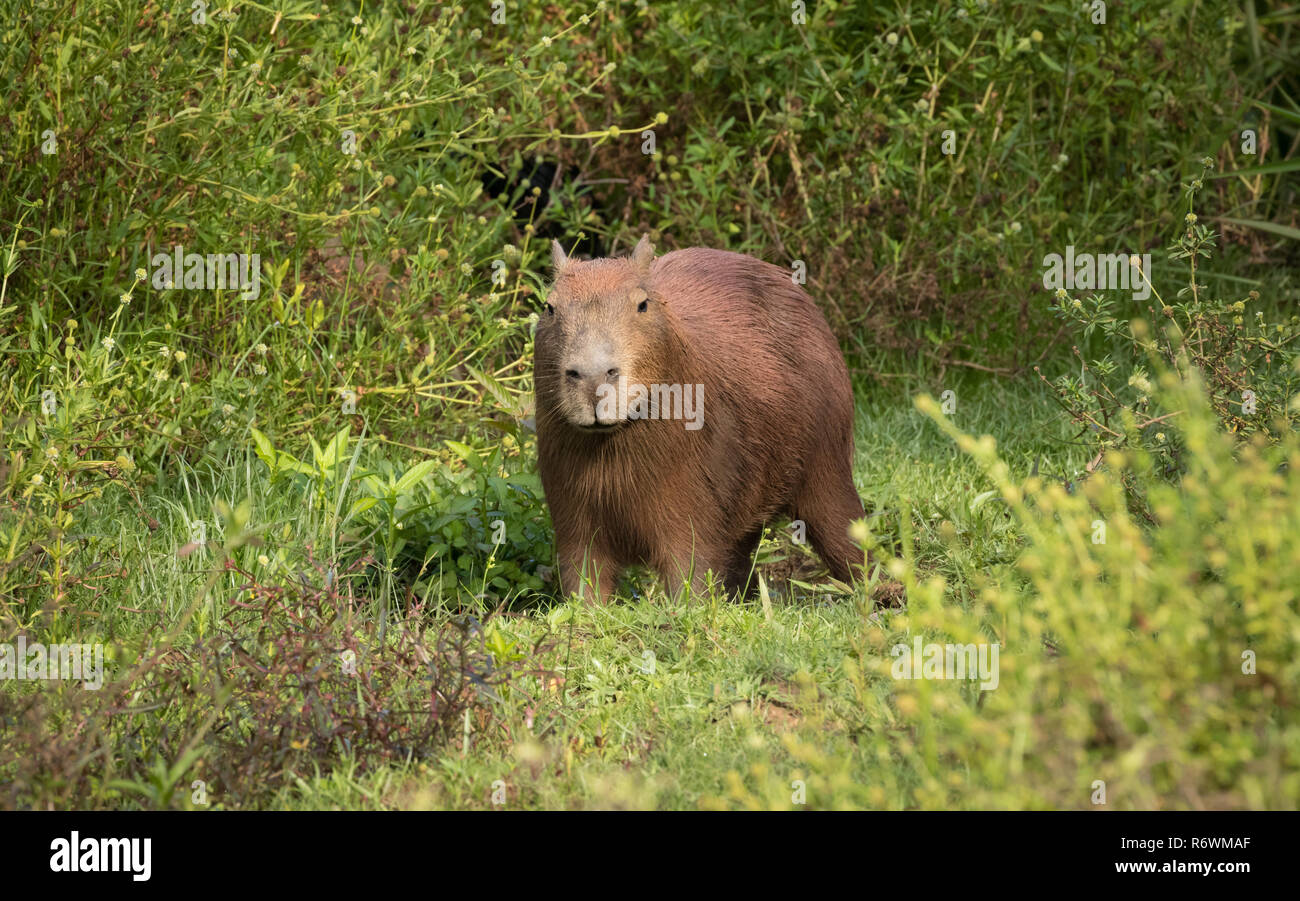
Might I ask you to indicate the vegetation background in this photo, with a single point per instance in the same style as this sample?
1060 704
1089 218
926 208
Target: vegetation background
307 527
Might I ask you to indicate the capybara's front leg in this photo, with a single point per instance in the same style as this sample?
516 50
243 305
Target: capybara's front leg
686 560
680 572
587 571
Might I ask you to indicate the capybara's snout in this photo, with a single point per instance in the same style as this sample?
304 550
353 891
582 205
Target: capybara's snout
590 375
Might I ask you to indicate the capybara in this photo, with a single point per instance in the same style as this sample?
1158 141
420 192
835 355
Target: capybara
682 403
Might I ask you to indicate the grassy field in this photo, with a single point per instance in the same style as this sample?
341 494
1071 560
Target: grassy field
652 703
733 688
303 518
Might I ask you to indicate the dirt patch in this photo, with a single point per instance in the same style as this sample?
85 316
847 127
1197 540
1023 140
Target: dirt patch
777 716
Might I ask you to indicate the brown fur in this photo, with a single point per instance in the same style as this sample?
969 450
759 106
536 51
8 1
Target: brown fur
777 436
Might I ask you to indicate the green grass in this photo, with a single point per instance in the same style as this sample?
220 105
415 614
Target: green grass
733 687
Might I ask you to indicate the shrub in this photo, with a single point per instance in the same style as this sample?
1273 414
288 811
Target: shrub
1159 661
1246 363
915 158
295 680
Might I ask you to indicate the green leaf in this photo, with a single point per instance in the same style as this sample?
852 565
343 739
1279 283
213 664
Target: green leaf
559 616
315 314
506 428
464 451
1285 231
414 475
265 450
1055 67
508 403
1293 115
1266 169
336 450
291 464
361 505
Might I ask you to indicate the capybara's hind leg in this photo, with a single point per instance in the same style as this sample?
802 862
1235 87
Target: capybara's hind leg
827 503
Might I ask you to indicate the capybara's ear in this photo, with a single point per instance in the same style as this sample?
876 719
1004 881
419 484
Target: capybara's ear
559 259
644 254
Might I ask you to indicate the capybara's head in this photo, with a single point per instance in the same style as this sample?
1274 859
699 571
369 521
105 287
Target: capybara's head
602 322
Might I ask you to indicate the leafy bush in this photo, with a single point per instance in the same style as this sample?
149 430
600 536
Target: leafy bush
1249 366
295 680
1139 668
915 158
70 433
466 519
1159 661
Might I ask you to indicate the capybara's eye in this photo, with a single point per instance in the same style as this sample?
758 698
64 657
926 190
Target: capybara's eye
643 306
550 310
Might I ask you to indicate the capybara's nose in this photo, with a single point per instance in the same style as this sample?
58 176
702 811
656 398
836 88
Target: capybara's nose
594 377
592 371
